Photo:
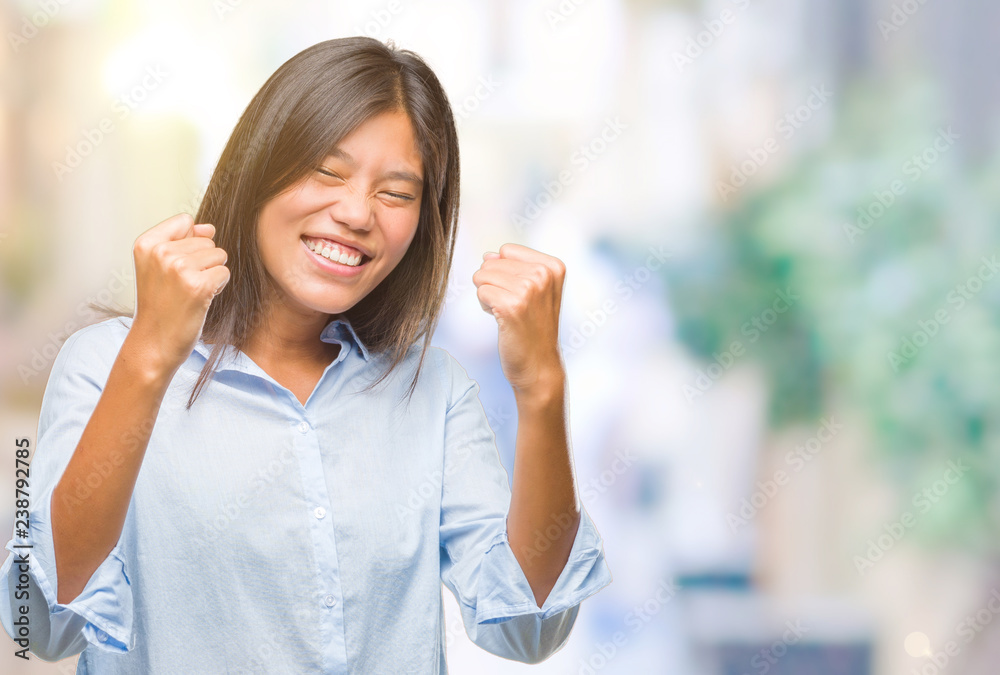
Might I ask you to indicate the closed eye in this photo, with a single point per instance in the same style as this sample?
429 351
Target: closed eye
396 195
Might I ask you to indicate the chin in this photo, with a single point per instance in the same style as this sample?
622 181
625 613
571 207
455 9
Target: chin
333 308
321 300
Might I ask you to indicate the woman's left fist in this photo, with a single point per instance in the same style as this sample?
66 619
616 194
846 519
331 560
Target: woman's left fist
522 288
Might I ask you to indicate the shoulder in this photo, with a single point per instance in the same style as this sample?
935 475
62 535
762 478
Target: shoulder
95 344
439 373
81 365
453 377
103 332
440 357
435 359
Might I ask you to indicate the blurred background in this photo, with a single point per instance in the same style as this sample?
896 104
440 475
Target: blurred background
779 219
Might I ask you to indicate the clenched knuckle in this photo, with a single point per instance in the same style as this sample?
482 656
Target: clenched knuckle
199 288
176 265
158 250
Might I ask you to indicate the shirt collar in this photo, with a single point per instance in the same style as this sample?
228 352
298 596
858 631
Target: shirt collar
341 330
337 330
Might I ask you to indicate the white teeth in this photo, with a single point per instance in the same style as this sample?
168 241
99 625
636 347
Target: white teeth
334 254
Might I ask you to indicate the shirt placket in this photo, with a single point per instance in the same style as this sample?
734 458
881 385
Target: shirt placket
321 530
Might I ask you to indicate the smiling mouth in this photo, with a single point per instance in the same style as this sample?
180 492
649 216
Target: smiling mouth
336 253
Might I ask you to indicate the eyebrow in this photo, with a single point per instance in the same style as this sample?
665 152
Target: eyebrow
394 175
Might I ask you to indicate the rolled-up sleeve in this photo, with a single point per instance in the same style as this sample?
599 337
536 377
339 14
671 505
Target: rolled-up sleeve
477 563
101 615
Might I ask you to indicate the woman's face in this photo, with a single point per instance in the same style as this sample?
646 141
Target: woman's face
362 201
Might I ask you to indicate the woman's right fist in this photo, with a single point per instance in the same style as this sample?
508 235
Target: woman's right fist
178 271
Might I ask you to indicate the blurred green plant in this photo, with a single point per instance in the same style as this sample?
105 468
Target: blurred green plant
871 281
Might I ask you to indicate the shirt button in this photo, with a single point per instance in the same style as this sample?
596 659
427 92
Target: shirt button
303 427
319 512
330 601
102 637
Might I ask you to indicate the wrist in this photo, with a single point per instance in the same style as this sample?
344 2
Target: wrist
146 361
548 389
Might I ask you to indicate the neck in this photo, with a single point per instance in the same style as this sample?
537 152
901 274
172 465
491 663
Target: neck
290 337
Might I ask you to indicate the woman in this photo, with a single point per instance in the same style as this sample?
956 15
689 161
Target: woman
299 514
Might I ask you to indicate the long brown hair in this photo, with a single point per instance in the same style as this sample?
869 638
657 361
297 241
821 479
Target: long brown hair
303 110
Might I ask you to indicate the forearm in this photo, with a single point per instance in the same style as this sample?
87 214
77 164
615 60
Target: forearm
544 513
87 519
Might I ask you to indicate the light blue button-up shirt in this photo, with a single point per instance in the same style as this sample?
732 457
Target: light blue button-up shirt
267 536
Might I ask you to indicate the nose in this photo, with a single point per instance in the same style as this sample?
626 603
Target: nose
352 208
